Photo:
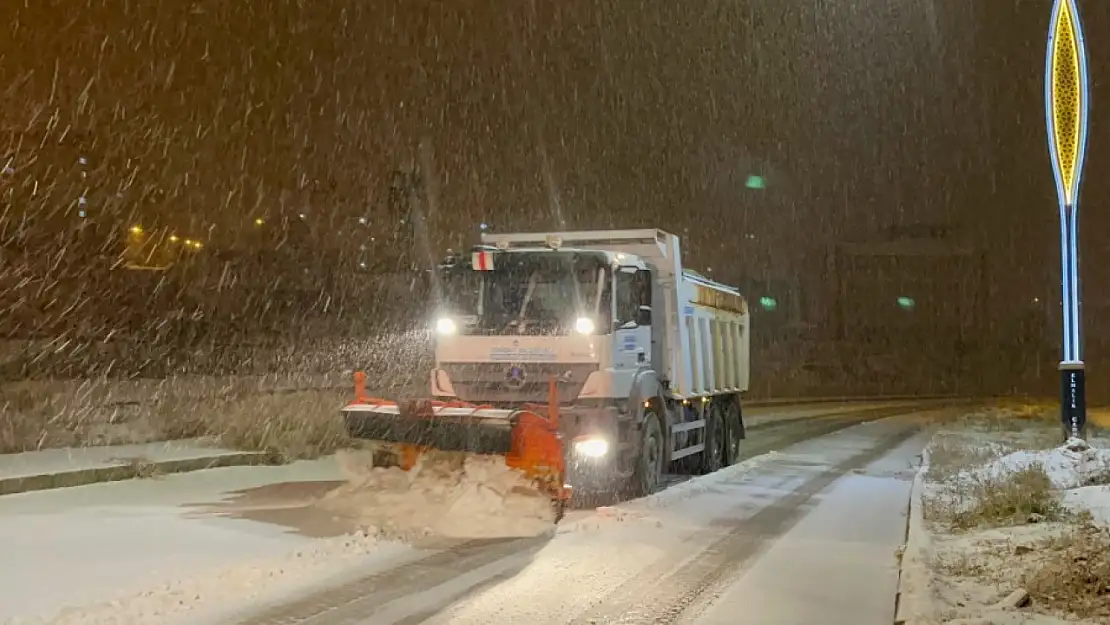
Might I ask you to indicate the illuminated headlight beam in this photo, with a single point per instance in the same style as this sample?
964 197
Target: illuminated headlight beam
591 447
446 326
584 325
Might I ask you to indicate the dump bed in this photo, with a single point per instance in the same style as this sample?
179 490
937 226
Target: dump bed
715 346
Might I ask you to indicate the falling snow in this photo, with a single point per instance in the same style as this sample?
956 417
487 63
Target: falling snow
213 213
244 189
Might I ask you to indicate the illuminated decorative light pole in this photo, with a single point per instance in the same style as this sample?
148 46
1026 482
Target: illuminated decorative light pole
1067 102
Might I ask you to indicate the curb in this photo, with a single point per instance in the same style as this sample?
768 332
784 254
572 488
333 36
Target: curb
122 470
914 605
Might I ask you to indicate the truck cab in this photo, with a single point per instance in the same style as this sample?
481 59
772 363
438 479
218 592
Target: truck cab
508 321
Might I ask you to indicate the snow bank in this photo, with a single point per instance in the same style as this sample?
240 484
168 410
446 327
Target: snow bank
1093 499
444 495
1072 465
1076 468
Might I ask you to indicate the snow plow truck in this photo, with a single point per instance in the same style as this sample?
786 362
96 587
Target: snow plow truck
592 361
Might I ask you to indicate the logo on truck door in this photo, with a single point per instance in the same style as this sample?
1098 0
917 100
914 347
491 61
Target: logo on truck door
629 344
515 376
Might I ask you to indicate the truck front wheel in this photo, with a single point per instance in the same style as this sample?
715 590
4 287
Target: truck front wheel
649 465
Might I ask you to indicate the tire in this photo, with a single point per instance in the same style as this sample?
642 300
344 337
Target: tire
559 508
716 435
734 432
648 472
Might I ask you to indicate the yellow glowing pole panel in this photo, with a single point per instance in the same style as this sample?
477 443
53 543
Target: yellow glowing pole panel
1067 99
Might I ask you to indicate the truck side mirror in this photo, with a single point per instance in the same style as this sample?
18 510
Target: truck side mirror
643 316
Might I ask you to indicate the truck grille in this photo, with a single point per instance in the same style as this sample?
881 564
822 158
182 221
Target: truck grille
516 382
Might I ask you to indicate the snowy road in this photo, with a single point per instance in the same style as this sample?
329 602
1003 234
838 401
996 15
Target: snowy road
805 533
802 536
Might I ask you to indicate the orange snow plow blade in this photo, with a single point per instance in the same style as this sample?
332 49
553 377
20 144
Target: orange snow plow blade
528 437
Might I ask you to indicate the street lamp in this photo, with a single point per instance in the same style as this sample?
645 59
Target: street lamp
1067 103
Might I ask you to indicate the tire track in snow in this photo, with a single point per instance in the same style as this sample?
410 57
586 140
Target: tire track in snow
409 594
364 600
771 436
656 597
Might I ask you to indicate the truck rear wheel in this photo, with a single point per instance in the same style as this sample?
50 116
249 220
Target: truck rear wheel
648 470
734 428
713 457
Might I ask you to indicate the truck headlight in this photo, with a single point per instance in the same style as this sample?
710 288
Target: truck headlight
446 325
584 325
592 447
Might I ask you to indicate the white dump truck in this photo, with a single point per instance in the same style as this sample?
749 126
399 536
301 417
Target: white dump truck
591 360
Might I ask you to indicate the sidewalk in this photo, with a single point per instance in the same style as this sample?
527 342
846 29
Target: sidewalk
61 468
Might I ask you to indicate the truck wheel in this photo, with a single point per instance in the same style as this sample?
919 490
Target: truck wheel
559 507
713 457
734 428
649 465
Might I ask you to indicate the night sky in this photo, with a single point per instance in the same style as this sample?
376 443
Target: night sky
861 114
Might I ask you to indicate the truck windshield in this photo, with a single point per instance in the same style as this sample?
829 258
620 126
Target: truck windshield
458 289
531 293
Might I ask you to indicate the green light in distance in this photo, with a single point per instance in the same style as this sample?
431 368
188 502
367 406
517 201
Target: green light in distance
768 303
756 182
906 303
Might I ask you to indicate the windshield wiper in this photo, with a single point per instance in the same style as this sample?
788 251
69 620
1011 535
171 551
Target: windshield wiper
527 299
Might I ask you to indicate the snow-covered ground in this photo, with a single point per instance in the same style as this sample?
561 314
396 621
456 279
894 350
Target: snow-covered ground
204 543
155 551
1016 524
735 538
839 559
201 547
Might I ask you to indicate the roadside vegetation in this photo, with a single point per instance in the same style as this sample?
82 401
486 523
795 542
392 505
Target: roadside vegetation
1018 523
296 425
295 417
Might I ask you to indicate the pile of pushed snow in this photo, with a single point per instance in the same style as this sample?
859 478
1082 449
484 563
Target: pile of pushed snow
1071 465
444 495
